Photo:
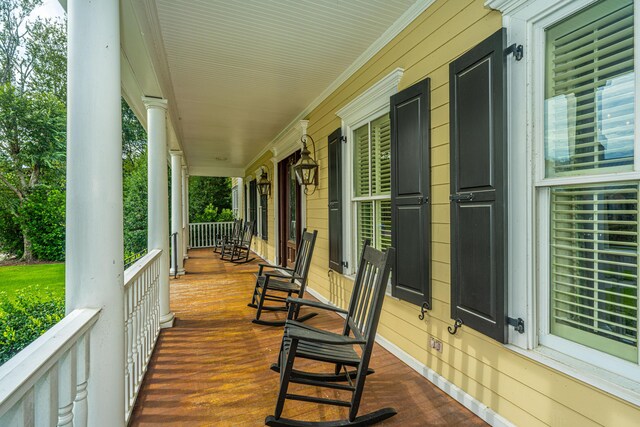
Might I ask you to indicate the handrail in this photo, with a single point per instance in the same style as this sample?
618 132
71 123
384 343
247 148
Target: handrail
19 375
138 267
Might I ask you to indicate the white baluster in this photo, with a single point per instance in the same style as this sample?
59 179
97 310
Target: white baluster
80 407
129 346
67 374
46 399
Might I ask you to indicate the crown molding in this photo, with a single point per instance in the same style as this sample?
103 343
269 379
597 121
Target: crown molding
371 100
507 7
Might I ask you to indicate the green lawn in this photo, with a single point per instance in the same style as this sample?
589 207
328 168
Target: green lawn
45 276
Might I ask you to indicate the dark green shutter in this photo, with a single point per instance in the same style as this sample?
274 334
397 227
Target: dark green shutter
264 231
253 195
410 190
479 187
335 200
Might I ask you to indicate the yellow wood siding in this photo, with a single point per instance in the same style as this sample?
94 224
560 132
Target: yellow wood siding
265 248
523 391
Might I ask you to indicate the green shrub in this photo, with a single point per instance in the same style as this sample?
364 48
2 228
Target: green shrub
25 317
43 216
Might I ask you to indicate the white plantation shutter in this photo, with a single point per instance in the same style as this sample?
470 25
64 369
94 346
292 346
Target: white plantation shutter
593 227
365 223
361 174
372 183
594 266
590 91
381 156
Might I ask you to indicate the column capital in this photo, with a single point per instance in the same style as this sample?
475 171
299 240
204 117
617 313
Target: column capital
150 103
176 153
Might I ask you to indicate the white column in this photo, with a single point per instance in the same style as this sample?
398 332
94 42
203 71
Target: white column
158 207
94 251
276 210
185 212
176 211
241 208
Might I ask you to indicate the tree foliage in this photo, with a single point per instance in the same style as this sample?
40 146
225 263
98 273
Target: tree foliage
32 115
209 197
135 205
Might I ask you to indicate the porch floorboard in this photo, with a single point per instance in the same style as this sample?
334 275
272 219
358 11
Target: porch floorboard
212 367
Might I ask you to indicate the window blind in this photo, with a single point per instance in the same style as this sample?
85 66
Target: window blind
589 100
381 156
594 266
361 158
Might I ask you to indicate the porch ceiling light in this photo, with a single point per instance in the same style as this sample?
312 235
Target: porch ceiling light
264 185
306 169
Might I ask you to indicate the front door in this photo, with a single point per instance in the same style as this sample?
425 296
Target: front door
290 215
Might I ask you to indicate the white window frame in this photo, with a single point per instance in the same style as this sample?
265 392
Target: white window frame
366 107
528 207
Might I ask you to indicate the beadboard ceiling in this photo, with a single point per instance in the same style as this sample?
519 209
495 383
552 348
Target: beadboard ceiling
239 72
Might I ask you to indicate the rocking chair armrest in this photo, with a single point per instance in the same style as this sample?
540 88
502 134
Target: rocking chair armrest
282 276
316 304
274 266
307 335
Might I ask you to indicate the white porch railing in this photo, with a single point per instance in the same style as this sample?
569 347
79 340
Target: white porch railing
203 234
46 383
142 322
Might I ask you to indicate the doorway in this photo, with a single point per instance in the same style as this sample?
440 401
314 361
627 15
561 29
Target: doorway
290 215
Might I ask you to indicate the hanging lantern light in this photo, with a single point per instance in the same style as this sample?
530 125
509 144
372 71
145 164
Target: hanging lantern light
264 185
306 169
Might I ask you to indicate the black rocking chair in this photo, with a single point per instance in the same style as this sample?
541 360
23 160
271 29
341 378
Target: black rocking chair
307 342
239 251
228 238
277 287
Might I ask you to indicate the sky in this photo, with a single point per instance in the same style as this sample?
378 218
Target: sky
49 9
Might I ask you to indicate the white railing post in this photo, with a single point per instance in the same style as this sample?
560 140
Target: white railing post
94 256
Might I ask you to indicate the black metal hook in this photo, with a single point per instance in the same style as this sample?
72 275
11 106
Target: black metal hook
456 325
425 306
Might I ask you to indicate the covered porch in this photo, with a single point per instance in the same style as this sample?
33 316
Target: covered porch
212 367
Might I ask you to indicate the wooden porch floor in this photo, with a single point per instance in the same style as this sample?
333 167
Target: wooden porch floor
212 367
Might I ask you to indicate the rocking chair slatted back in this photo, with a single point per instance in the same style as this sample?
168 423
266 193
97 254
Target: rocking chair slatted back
236 230
364 307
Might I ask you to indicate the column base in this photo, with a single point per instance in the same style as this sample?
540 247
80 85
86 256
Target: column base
185 256
181 272
166 321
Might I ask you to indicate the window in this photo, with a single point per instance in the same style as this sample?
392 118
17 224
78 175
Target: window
372 183
366 168
588 193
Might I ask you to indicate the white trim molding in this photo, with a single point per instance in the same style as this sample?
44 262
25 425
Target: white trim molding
373 100
504 6
471 403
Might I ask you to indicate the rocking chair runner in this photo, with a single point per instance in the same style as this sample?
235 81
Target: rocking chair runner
228 238
275 286
237 250
337 349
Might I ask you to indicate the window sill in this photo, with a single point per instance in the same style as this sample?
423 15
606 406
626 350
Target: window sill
609 382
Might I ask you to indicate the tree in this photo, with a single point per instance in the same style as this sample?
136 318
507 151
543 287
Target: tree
208 193
32 143
32 113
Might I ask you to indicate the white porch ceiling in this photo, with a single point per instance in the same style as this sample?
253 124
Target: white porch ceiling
240 72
